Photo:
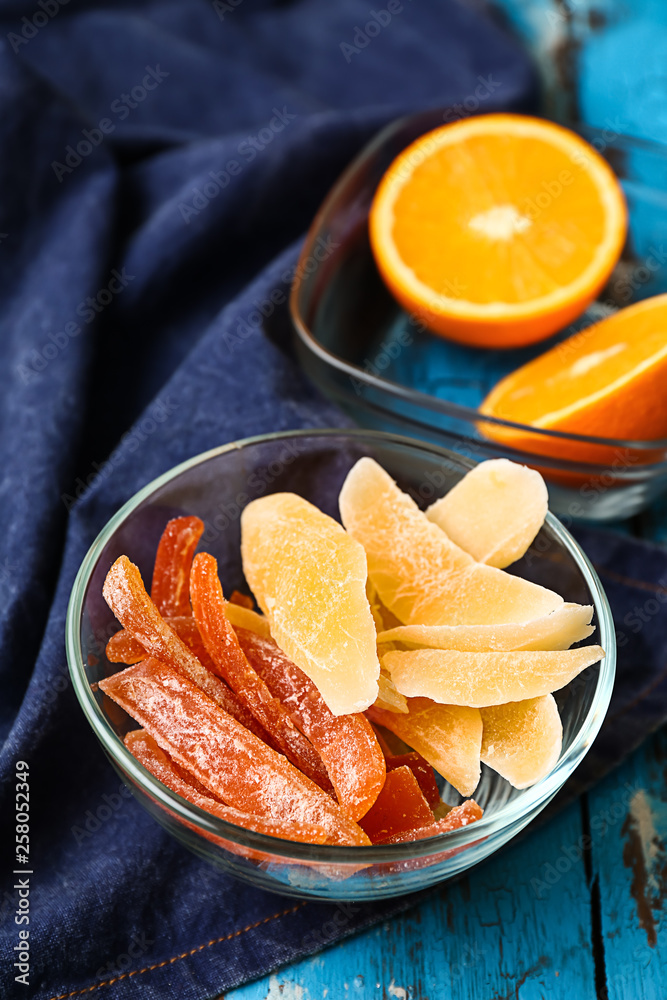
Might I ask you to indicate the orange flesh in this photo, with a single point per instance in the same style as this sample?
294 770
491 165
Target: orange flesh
171 573
346 743
221 753
422 771
400 807
606 381
230 663
144 748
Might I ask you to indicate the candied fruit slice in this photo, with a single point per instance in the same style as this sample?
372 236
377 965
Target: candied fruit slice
447 736
126 595
389 698
422 771
419 574
494 512
222 754
242 600
399 807
522 740
309 578
468 812
171 574
124 648
231 663
346 743
566 625
143 747
482 679
247 619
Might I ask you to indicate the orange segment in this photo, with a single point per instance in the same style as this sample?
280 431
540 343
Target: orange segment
606 381
497 230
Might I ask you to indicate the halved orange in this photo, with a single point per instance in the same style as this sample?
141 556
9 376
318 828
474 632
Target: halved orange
497 230
605 381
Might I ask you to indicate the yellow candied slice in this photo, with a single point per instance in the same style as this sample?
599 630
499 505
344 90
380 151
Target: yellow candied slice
494 512
419 574
483 679
447 736
561 629
388 697
246 618
522 740
309 578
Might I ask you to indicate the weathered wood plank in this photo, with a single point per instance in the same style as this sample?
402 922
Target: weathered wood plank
629 830
504 932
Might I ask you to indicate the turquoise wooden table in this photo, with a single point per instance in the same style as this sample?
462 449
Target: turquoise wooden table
544 918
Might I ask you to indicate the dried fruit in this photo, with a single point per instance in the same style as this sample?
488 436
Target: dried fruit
346 743
561 629
309 578
171 573
222 754
447 736
399 807
230 662
483 679
494 512
522 740
419 574
468 812
142 746
422 771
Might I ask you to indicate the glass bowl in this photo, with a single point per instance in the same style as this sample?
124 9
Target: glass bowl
216 486
366 353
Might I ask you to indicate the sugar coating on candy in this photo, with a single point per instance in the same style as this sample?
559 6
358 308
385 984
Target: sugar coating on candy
399 807
143 747
566 625
222 754
460 816
245 618
522 740
171 573
494 512
482 679
419 574
309 578
230 662
422 771
346 743
449 737
126 595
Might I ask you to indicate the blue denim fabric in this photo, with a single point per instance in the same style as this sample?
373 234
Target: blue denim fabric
134 255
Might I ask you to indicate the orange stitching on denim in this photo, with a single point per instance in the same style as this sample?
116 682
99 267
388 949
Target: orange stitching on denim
185 954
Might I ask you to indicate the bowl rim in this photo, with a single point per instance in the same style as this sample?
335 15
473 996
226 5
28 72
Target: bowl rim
517 811
303 275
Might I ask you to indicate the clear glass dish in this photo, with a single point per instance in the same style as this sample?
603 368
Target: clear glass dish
362 350
216 486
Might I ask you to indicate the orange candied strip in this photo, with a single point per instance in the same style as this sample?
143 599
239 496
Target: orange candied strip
468 812
243 600
222 754
126 595
124 648
230 663
346 743
142 746
422 771
170 589
399 808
